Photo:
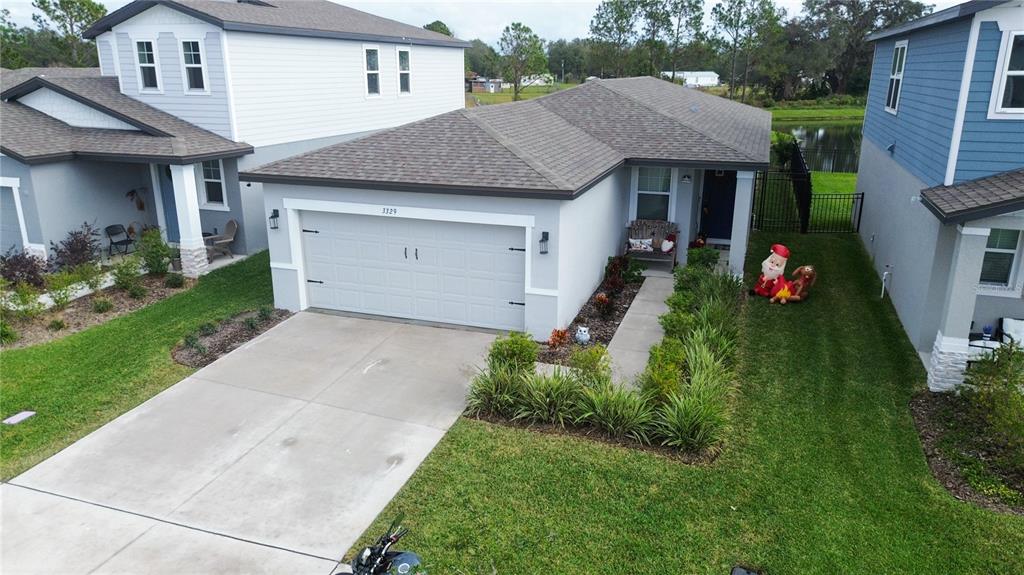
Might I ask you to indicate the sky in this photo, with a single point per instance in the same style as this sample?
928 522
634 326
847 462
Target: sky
468 19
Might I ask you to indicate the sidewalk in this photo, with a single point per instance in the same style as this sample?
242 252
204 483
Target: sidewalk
640 329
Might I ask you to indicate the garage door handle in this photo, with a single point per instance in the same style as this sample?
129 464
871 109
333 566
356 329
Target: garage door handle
417 251
314 282
406 252
516 303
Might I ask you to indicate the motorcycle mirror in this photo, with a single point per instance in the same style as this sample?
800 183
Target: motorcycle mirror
396 523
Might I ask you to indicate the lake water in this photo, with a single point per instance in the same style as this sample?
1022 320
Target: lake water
832 147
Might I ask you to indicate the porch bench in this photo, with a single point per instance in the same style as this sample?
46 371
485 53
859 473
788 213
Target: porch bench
657 231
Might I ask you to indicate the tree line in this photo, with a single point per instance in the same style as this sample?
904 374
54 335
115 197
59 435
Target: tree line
754 45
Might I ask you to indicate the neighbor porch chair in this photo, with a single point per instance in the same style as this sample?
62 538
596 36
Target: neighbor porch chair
118 238
220 245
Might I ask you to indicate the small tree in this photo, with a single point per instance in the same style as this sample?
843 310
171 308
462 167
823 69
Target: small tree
71 18
81 246
439 27
522 54
155 253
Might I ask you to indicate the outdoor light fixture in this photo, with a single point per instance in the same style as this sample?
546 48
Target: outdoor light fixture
686 178
891 148
274 215
543 242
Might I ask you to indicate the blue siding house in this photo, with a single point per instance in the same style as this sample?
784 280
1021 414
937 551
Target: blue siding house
942 171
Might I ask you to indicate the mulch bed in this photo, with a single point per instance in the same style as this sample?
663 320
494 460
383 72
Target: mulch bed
935 414
706 457
602 329
231 333
79 314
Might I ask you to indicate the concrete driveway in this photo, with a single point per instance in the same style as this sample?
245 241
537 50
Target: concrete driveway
273 459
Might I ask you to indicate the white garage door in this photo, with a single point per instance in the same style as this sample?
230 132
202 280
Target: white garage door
468 274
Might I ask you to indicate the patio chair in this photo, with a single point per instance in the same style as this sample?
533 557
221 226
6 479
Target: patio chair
119 239
220 245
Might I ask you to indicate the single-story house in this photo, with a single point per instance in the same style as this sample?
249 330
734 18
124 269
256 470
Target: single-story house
485 85
699 79
504 216
74 148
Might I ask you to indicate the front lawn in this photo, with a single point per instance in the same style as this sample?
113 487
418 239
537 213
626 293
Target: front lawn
80 382
823 473
528 93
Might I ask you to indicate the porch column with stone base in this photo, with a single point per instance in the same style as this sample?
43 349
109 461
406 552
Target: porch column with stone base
186 202
950 352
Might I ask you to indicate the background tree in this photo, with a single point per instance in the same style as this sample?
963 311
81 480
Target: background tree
482 59
568 59
522 54
69 18
730 24
439 27
655 23
686 19
613 27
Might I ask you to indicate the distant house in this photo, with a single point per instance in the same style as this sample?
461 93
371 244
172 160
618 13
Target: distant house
693 79
942 172
483 85
538 80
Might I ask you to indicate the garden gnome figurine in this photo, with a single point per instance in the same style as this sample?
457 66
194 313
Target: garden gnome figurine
772 269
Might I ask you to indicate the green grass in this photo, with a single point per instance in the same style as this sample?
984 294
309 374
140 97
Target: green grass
80 382
839 113
823 474
833 182
528 93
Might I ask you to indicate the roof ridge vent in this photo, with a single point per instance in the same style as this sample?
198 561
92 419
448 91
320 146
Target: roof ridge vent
256 3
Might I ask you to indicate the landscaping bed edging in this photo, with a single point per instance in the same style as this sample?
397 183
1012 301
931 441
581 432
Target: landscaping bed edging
213 341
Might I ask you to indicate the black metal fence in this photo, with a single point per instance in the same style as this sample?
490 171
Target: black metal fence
784 201
832 159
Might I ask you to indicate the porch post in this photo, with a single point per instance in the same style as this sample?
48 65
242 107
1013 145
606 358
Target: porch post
950 352
186 202
741 222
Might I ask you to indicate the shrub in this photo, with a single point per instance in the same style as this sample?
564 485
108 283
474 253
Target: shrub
79 247
663 375
252 323
712 342
265 312
548 398
516 351
137 291
677 324
207 328
23 268
495 391
717 314
155 253
694 420
126 273
7 333
102 305
617 411
56 325
591 365
174 281
559 338
996 395
615 273
604 304
192 342
61 286
633 273
705 258
25 301
90 274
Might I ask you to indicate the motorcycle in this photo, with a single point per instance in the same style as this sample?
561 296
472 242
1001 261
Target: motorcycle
379 559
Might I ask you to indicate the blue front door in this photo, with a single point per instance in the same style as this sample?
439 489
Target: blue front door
718 203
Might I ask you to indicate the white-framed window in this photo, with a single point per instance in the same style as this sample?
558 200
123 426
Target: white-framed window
149 69
404 71
899 60
193 65
998 268
1008 85
214 194
653 193
371 62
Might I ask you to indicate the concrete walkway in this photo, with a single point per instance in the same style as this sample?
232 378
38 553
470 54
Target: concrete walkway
640 329
274 459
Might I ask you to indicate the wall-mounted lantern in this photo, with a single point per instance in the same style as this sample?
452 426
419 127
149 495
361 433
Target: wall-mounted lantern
274 215
543 242
687 179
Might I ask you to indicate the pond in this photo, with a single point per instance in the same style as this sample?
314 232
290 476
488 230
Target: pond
828 146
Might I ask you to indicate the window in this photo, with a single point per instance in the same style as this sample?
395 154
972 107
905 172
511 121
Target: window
653 193
899 57
1000 254
404 85
147 66
192 59
1011 95
213 183
372 71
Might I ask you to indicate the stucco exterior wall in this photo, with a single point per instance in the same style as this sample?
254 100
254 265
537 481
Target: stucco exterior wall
11 168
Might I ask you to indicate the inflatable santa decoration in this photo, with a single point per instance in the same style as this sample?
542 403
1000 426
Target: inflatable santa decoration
772 269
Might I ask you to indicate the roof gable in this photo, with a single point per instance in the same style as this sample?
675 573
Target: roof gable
934 19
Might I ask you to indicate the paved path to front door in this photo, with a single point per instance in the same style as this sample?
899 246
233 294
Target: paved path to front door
274 459
639 329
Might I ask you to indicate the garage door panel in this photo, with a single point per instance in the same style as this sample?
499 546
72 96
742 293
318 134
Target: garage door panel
464 273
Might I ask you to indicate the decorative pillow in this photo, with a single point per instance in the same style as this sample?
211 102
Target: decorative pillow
1013 328
667 245
644 245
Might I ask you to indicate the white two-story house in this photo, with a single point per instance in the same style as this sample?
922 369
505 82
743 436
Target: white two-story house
190 92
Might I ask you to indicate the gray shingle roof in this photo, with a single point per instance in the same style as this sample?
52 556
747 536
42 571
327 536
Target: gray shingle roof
553 146
34 137
318 18
979 198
